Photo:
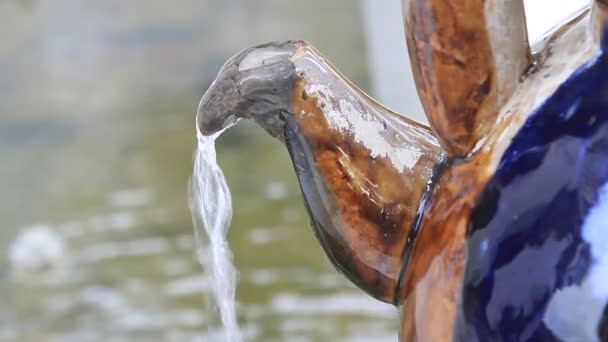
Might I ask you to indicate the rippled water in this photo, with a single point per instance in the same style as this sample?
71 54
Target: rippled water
211 206
96 141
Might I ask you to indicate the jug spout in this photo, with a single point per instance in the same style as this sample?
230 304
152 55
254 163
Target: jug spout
364 171
255 84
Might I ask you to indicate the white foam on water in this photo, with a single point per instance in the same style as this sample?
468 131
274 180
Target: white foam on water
37 249
211 206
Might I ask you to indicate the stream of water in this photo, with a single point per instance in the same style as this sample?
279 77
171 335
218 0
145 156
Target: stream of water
211 206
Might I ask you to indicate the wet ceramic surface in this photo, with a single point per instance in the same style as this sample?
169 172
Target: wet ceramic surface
364 171
527 233
487 121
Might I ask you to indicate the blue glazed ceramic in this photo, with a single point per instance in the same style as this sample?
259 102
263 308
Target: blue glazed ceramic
531 236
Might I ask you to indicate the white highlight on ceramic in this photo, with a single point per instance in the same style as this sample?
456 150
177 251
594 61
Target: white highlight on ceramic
263 56
211 206
573 313
346 115
595 232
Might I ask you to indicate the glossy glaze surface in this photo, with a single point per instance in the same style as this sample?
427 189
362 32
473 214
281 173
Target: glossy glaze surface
450 240
467 58
362 207
431 292
525 241
363 170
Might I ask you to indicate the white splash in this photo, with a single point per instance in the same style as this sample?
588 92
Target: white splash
211 206
595 232
36 249
348 116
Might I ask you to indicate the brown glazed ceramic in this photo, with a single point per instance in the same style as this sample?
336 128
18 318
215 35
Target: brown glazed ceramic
467 58
364 170
450 63
400 207
372 201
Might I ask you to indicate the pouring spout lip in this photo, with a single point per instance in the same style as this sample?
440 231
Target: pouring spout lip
256 84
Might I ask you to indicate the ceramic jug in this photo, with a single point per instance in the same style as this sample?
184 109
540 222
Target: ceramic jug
489 225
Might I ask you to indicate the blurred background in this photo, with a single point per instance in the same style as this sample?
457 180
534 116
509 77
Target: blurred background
97 102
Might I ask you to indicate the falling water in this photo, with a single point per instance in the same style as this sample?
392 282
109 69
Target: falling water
211 207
